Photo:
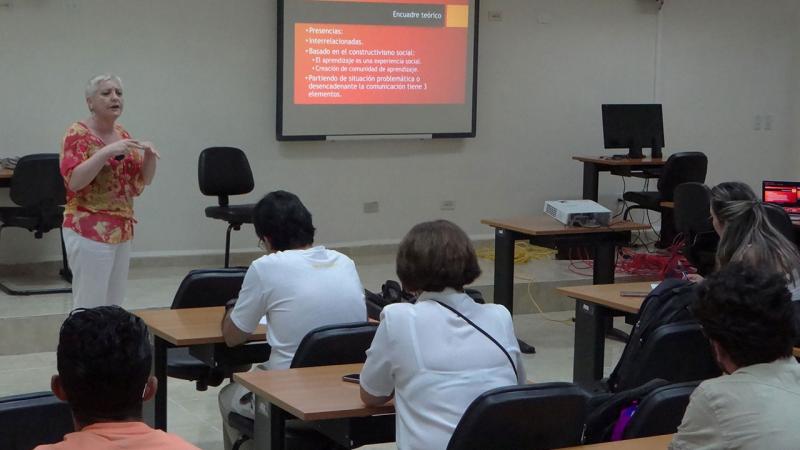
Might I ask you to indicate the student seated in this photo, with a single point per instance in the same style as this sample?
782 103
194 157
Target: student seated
746 314
104 360
747 235
298 286
426 355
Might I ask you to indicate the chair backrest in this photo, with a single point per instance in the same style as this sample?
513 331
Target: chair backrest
692 208
681 168
33 419
37 182
661 411
345 343
779 219
676 352
208 287
533 416
224 171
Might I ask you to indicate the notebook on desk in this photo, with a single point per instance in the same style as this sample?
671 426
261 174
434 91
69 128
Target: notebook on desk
785 194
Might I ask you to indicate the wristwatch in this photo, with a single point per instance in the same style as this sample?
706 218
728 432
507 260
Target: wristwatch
230 304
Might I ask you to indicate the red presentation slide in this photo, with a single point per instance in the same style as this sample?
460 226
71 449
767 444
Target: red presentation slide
409 53
782 196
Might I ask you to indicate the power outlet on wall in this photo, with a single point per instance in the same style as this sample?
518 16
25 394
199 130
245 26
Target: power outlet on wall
448 205
495 16
767 122
371 207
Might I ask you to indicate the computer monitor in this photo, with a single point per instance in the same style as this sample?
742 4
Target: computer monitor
634 127
785 194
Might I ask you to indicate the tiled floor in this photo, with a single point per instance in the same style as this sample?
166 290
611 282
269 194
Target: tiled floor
195 415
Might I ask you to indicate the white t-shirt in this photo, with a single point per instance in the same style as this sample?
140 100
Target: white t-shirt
437 364
298 290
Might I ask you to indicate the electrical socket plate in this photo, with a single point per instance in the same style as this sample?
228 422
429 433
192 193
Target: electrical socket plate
448 205
370 207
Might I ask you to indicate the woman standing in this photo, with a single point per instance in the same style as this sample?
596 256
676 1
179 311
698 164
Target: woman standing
103 170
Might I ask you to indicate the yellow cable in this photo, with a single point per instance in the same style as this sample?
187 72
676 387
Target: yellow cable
525 252
567 322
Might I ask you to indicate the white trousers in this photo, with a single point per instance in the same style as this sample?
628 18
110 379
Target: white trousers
232 398
99 270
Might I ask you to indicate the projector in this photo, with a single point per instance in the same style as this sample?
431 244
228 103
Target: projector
579 213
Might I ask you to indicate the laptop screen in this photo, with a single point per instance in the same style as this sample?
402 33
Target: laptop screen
782 193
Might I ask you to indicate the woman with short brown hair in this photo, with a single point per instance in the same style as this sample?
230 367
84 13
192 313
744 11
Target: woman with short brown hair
437 355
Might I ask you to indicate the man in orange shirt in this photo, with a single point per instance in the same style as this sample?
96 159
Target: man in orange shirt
104 360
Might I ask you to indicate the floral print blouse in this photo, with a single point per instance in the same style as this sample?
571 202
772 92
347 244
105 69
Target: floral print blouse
103 210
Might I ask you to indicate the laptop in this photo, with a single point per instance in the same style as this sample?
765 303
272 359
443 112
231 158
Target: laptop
785 194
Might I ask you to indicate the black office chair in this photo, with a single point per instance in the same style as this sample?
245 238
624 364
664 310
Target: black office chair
675 352
779 219
661 411
534 416
693 220
225 171
203 288
328 345
38 189
29 420
680 168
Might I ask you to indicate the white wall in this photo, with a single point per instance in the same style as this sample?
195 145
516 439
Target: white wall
202 72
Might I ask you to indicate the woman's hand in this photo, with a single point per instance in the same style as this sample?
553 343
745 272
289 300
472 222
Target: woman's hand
119 148
149 150
694 277
151 155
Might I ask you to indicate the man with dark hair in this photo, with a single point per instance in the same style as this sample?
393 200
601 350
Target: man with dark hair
297 285
747 315
103 363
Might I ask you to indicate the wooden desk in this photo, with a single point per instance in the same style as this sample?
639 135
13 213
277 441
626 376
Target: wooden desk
181 328
5 177
310 394
547 232
649 443
593 165
594 305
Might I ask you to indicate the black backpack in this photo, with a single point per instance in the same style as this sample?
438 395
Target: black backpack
604 410
668 303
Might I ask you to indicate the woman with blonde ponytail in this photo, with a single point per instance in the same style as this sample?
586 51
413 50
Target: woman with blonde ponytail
746 234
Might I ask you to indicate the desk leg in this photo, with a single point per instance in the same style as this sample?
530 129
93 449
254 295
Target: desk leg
603 273
270 427
603 266
590 181
590 326
504 268
504 276
160 372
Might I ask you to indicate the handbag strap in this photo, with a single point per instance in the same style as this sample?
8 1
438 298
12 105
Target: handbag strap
505 352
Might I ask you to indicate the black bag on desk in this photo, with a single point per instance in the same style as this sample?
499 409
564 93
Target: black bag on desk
668 303
392 292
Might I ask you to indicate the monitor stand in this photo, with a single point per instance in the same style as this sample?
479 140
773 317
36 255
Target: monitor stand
655 152
635 152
